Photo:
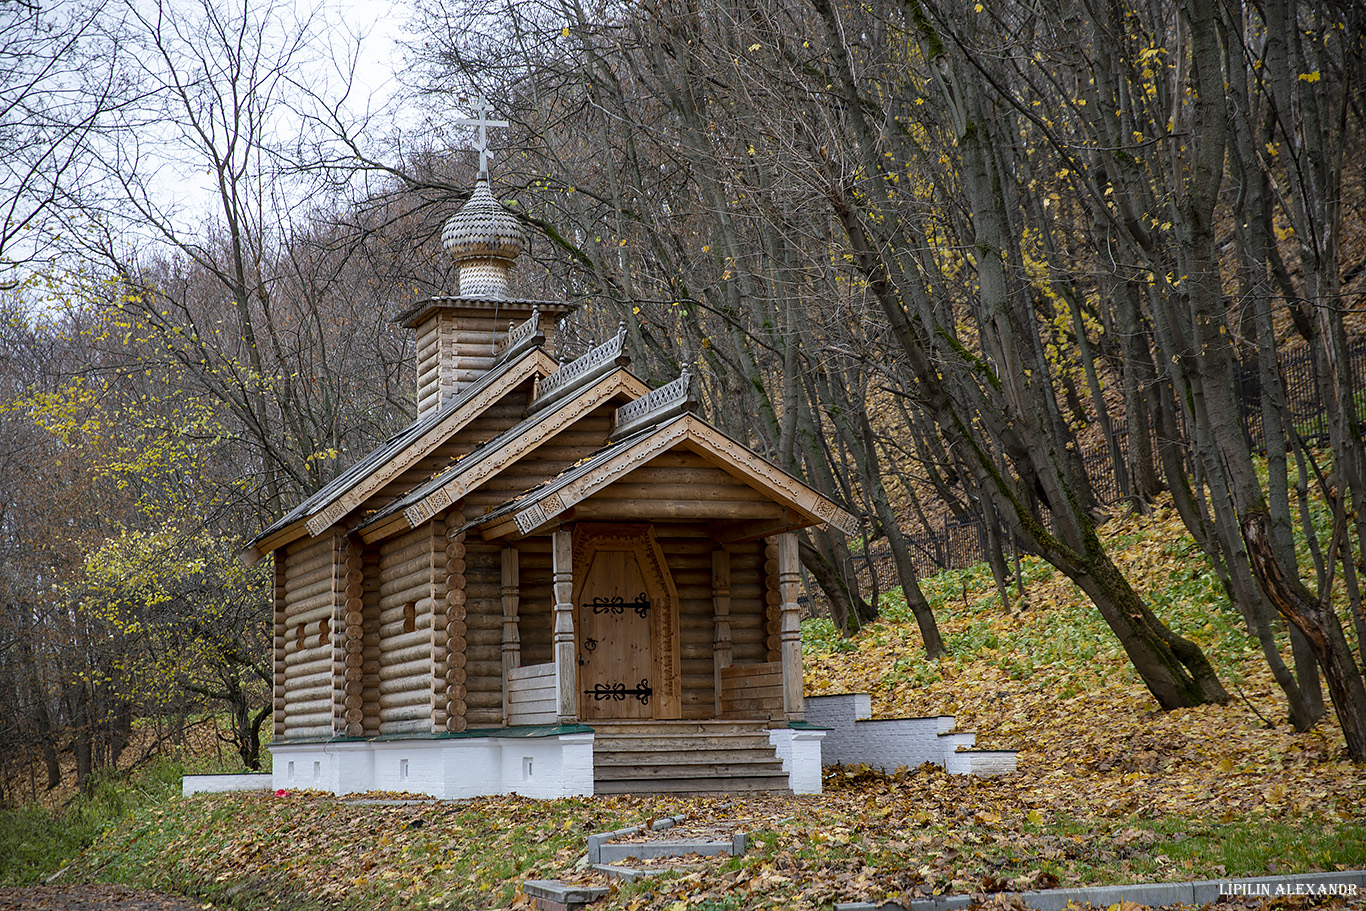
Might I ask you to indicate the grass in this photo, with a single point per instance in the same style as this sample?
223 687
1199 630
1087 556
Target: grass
39 838
36 841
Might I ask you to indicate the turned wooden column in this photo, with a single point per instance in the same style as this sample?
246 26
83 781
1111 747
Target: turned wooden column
566 671
790 631
720 600
512 638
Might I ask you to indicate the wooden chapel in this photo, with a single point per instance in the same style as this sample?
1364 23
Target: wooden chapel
555 581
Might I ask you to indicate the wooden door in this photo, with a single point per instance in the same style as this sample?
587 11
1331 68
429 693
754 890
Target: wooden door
626 625
616 666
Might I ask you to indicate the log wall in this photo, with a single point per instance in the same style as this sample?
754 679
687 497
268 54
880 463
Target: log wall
451 677
537 600
405 626
313 584
279 646
370 654
687 550
483 633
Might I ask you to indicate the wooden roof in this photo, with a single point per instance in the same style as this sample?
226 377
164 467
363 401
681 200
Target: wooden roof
352 487
468 473
646 425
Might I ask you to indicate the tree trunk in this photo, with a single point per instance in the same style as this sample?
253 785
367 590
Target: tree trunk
1320 625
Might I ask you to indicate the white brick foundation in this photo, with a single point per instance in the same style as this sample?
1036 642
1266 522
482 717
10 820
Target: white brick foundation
554 765
854 739
800 752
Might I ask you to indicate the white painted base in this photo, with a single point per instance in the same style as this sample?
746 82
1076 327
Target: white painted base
557 765
886 744
800 751
218 784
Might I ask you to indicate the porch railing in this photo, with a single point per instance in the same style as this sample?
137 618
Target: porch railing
531 694
752 690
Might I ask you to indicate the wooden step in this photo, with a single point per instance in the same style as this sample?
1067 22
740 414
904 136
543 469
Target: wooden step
694 757
710 785
655 770
707 726
680 744
635 757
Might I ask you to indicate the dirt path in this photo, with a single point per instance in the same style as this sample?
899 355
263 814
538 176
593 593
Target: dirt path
92 898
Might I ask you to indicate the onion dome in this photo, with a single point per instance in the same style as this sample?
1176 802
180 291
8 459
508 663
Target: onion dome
484 238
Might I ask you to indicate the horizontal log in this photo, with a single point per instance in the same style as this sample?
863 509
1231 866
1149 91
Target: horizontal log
484 700
297 663
307 570
405 719
406 654
409 577
389 700
599 508
757 706
486 673
308 713
404 546
418 669
394 630
401 640
324 610
300 597
309 731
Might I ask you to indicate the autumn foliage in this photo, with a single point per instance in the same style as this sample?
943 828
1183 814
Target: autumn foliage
1108 789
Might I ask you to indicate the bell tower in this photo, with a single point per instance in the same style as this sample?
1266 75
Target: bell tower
457 336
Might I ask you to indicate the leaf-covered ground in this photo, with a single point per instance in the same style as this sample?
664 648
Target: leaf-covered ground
1108 789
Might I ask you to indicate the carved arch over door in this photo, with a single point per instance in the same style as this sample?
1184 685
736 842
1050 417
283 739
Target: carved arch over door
638 540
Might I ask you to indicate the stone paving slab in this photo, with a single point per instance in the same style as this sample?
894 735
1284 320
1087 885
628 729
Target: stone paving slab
553 895
1344 883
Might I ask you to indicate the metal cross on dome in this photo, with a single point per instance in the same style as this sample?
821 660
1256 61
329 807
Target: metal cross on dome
480 105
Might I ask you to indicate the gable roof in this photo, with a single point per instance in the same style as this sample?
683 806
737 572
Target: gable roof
349 489
539 507
474 468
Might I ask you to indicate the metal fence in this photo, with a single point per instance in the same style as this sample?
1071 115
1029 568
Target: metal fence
958 544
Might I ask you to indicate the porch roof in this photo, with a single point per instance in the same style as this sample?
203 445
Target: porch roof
534 510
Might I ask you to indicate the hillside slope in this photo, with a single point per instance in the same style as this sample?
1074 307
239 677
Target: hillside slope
1108 790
